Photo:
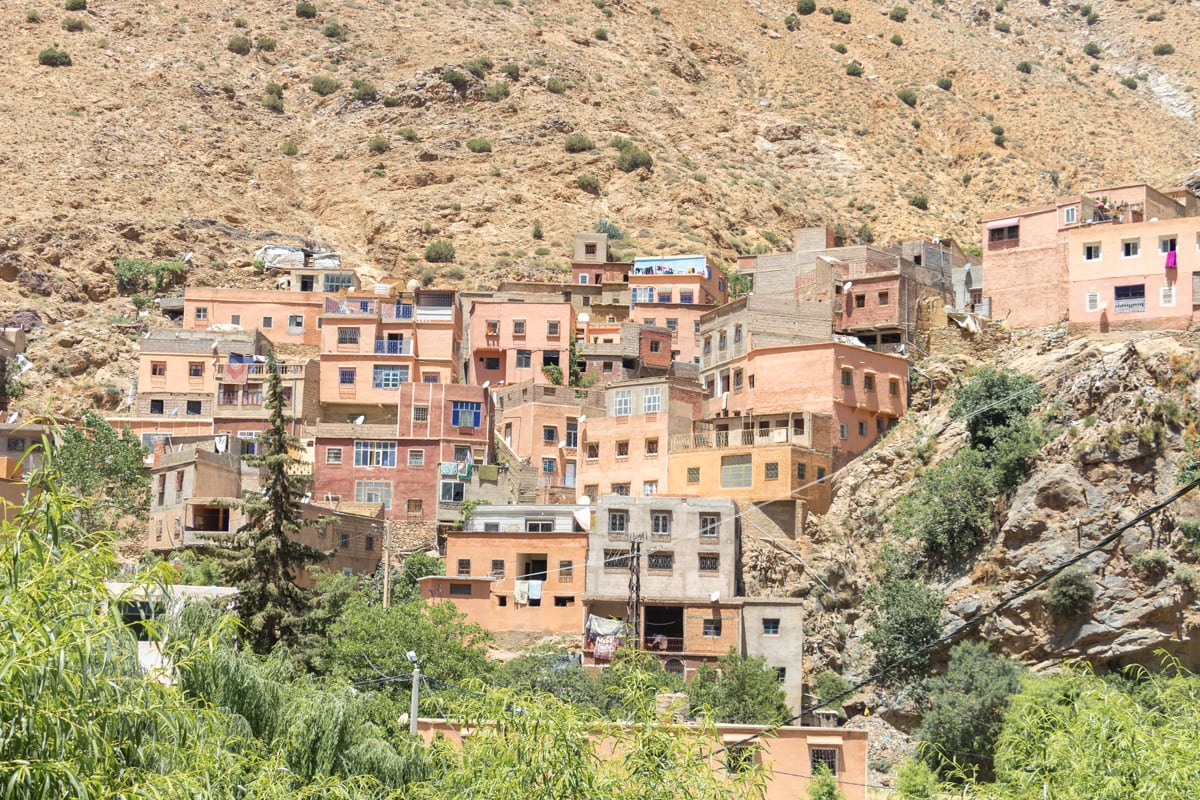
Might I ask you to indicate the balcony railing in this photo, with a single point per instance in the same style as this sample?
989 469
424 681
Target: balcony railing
401 311
663 644
1129 305
258 371
392 347
705 440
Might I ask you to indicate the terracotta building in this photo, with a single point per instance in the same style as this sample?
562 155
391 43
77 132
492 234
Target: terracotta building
281 316
511 342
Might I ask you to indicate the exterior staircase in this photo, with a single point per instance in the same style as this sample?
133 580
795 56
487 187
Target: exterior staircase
522 475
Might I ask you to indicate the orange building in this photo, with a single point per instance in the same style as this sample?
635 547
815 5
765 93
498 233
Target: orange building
282 316
511 342
517 568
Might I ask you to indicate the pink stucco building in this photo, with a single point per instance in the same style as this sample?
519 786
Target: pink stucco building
511 342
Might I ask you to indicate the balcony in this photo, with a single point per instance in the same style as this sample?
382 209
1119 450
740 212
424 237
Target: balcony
663 644
716 440
391 347
357 308
256 372
398 311
1129 305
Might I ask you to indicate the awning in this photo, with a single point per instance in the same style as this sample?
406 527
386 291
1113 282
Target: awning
1002 223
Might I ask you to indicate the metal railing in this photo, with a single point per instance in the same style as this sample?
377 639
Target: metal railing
704 440
1129 305
393 347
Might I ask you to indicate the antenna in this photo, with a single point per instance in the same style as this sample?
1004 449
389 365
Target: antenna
359 420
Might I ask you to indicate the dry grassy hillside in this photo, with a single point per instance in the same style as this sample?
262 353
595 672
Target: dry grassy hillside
156 140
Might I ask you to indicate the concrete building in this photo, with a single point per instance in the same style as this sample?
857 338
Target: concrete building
1098 259
284 317
611 352
626 446
304 269
511 342
517 568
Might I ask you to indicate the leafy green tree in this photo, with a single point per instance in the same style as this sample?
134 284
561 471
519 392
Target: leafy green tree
824 785
552 672
741 689
967 706
97 462
266 555
827 685
916 781
992 401
904 617
949 509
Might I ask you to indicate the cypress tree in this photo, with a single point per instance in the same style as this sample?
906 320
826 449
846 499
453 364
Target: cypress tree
266 552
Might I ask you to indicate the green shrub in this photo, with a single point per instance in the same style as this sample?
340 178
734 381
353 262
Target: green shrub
306 10
827 685
555 86
620 143
920 200
1025 67
363 91
1189 529
945 84
1129 83
905 615
74 24
1092 49
854 69
897 39
439 251
997 130
601 34
634 158
1154 16
33 16
479 66
1186 576
241 22
1150 564
289 148
588 183
1163 49
511 71
1003 27
428 275
791 22
1093 18
479 145
655 11
838 47
273 102
496 92
76 5
916 781
334 30
994 401
390 101
949 510
805 7
407 134
1071 594
239 44
538 233
578 143
908 97
456 273
842 16
379 144
324 85
898 14
456 79
265 43
53 57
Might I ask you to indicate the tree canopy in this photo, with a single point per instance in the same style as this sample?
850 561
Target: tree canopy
98 462
740 689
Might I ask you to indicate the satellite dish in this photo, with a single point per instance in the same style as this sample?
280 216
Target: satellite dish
360 419
847 286
584 318
583 417
486 384
413 285
584 500
715 597
174 412
562 444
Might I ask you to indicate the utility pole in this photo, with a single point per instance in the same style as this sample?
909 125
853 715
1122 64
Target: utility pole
633 611
387 564
416 692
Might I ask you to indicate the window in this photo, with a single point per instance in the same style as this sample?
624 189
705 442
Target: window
622 402
869 383
686 298
740 758
589 248
193 406
649 488
463 567
672 324
710 525
651 448
16 445
346 376
860 301
373 492
893 387
347 335
333 455
583 279
343 540
801 471
374 454
465 414
460 590
862 428
623 449
824 756
847 377
462 453
722 341
663 562
1166 296
781 674
195 369
268 322
497 567
201 313
737 379
539 526
618 522
664 297
735 472
553 327
295 322
820 474
655 346
518 327
1001 237
696 326
249 440
712 627
416 457
593 450
616 560
1129 299
1166 244
572 437
415 507
369 543
420 414
843 431
549 434
550 358
491 362
158 369
389 376
643 294
772 471
452 491
493 327
1070 215
549 466
156 406
710 562
524 359
1131 248
770 626
660 522
1091 252
621 489
883 298
561 601
335 283
693 475
607 366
